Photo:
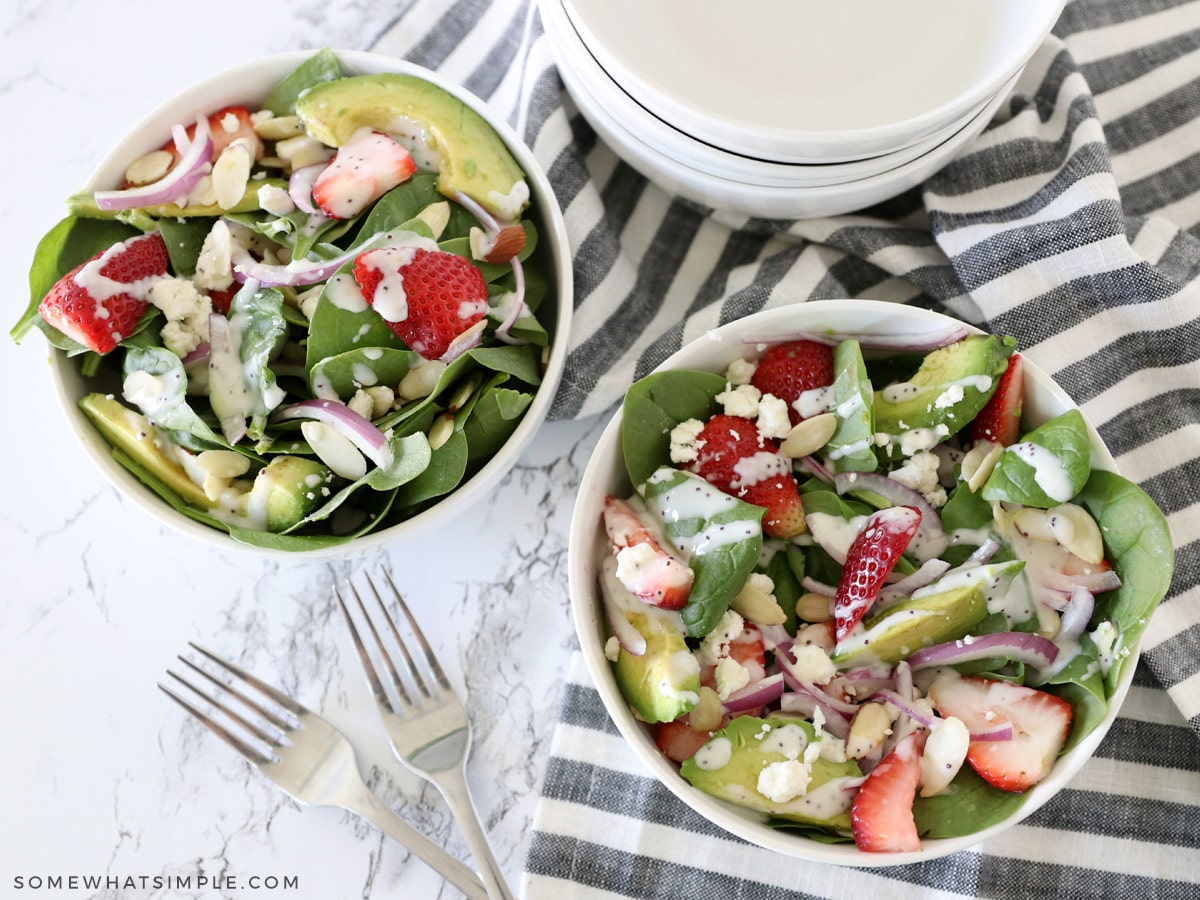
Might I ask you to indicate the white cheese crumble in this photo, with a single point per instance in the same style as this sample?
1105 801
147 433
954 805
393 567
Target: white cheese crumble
187 311
684 444
716 643
920 472
740 401
731 676
773 420
813 664
780 782
740 371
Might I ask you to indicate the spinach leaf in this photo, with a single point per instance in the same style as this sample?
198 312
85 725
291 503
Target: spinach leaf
785 568
653 406
321 66
336 329
719 535
1080 683
1046 467
968 805
852 447
171 409
494 418
1137 541
239 368
363 366
184 239
445 471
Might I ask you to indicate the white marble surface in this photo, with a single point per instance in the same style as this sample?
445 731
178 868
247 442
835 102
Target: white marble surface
100 773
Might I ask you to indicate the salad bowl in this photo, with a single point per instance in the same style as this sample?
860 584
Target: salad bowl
966 814
501 428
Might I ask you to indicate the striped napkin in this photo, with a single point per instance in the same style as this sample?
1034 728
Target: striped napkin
1073 223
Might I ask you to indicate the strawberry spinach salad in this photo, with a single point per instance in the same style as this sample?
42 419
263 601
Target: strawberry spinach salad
305 320
854 591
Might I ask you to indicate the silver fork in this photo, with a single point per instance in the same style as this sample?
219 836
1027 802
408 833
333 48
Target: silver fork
427 726
306 756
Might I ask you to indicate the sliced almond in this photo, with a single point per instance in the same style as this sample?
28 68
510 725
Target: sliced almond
222 463
945 751
813 607
440 430
277 128
382 398
978 463
868 729
756 603
149 168
809 436
335 450
231 173
436 216
1035 524
420 380
1075 529
706 714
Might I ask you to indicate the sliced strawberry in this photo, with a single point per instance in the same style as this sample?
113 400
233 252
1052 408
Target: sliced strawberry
1000 418
737 459
678 740
882 812
365 168
1040 723
221 300
427 297
869 561
787 370
86 305
648 568
749 649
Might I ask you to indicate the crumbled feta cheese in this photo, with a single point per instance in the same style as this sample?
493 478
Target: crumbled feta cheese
731 676
716 643
740 371
920 472
740 401
612 649
684 444
780 782
362 404
773 420
187 311
214 265
813 664
275 200
949 397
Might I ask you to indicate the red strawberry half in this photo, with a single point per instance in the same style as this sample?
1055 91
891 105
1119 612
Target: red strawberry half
870 559
678 740
1000 418
654 573
1040 724
427 297
365 168
225 126
86 304
737 459
882 813
788 370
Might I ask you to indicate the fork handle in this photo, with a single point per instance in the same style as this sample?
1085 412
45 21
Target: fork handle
373 810
453 785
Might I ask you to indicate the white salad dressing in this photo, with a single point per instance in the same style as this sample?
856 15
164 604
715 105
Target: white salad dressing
763 465
342 291
364 374
834 533
814 402
509 205
786 740
695 498
714 755
1049 473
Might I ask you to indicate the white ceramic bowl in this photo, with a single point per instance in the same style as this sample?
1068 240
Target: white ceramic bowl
810 81
605 475
584 73
248 83
665 167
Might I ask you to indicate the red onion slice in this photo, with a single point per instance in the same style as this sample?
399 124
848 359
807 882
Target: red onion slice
486 219
1096 582
516 305
298 272
300 185
752 696
906 706
1077 614
1032 649
818 587
929 572
366 437
175 185
835 723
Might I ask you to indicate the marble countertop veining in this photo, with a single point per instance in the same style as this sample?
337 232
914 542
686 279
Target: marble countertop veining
102 775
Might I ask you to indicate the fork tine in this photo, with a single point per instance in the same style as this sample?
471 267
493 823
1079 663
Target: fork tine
248 751
279 724
252 727
430 658
377 688
278 696
409 663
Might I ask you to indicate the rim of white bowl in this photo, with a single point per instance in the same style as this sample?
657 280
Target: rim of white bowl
249 82
797 202
915 67
572 54
605 471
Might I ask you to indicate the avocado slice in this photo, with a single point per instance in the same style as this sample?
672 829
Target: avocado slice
472 157
290 488
664 682
83 204
949 389
907 626
133 433
746 746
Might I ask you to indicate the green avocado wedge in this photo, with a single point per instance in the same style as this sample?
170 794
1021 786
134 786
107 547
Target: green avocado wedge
472 157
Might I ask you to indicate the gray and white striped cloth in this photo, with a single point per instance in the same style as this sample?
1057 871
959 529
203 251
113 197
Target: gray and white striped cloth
1073 223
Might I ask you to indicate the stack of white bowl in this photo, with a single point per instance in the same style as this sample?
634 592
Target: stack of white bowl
791 108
